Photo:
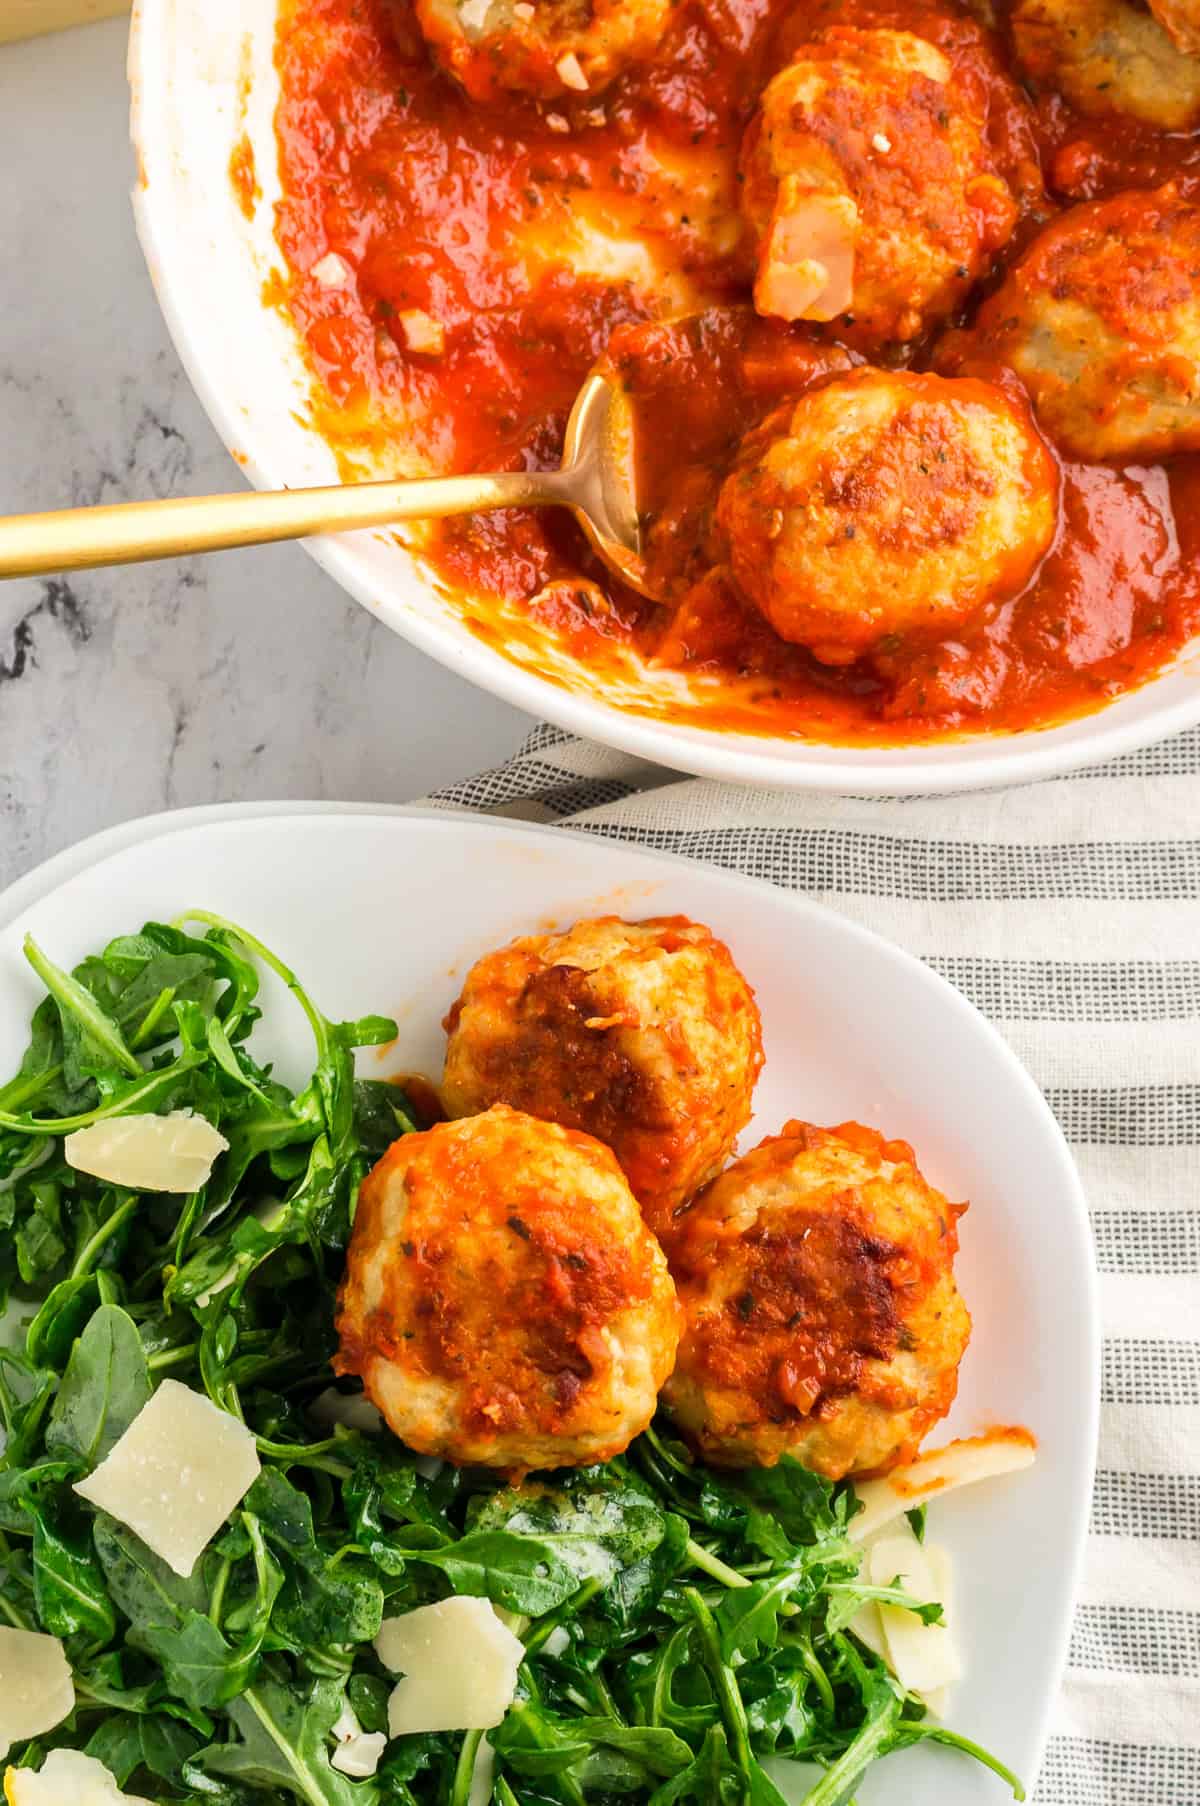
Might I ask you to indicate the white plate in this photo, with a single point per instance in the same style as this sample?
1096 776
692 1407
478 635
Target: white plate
384 911
204 75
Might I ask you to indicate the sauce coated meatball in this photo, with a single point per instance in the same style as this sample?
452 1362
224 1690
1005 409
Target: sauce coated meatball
546 48
887 503
1180 19
644 1034
1101 321
823 1321
869 187
1108 57
504 1302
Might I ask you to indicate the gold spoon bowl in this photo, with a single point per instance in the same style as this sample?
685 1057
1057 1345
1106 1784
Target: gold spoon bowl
596 481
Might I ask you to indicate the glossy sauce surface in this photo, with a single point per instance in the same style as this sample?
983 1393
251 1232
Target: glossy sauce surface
535 232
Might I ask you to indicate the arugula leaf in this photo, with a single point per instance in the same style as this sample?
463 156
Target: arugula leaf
93 1042
117 1742
156 1744
63 1314
26 1392
883 1704
709 1780
916 1521
168 1619
381 1113
532 1548
521 1573
637 1588
596 1754
39 1078
105 1386
324 1603
749 1617
39 1243
801 1503
284 1742
69 1587
594 1530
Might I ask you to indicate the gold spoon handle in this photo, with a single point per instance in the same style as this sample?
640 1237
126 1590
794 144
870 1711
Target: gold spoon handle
130 532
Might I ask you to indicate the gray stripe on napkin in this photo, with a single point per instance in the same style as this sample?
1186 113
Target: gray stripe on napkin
1069 912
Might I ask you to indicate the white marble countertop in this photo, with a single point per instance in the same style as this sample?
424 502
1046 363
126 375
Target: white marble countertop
244 676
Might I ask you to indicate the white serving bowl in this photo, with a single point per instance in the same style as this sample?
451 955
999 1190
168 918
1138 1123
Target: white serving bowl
202 76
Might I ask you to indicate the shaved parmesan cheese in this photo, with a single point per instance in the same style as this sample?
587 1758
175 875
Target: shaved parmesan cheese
558 123
569 70
67 1776
358 1752
867 1628
147 1153
422 333
473 14
228 1277
359 1756
942 1568
459 1665
176 1474
353 1409
882 144
941 1470
332 271
345 1725
807 266
921 1656
795 1780
36 1689
937 1701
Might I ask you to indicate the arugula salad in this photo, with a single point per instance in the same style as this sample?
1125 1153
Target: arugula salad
681 1634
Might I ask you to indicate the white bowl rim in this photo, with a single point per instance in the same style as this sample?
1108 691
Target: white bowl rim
936 768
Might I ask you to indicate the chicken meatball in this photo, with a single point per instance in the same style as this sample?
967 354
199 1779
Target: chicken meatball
1101 320
547 48
1108 57
1180 19
504 1303
822 1317
644 1034
869 187
886 503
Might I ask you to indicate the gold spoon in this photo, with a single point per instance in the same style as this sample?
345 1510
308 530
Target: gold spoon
596 481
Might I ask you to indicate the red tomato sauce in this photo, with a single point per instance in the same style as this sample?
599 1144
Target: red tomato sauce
437 207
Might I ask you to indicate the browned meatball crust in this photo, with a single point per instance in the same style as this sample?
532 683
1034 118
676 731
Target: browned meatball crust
870 188
1101 320
887 503
1108 57
503 1302
546 48
644 1034
823 1321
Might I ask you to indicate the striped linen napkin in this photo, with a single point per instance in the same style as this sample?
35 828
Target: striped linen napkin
1067 911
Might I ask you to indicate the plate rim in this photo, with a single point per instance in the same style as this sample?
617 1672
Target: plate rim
52 874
